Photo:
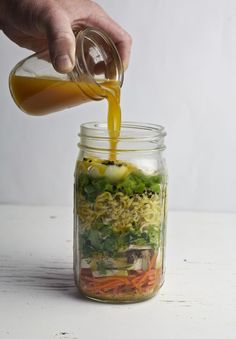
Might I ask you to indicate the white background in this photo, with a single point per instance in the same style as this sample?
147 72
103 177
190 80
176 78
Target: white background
182 75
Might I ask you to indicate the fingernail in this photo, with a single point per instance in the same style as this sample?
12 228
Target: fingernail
63 63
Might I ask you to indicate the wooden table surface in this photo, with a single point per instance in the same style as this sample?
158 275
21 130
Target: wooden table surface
38 299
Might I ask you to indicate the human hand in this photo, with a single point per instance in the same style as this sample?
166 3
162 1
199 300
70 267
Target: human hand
39 24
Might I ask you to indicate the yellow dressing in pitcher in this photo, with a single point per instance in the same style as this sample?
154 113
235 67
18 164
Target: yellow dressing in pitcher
39 96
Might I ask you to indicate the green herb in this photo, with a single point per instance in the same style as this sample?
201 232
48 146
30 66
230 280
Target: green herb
101 267
105 240
134 183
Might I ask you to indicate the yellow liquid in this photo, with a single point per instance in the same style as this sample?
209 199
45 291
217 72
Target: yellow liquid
39 96
114 115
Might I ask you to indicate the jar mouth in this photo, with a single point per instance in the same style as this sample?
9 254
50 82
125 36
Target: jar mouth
134 136
97 58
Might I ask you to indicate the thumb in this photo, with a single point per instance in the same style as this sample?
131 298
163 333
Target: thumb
61 41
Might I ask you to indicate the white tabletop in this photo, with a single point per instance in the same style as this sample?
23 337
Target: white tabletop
38 299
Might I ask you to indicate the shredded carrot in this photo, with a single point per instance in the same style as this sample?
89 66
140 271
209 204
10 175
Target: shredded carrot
146 274
136 282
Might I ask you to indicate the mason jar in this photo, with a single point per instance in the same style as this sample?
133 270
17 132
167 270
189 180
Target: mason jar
120 210
38 89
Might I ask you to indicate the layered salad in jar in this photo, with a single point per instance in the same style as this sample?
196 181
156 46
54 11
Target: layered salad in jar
120 211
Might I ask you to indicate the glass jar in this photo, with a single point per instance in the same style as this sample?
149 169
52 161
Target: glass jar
38 89
120 213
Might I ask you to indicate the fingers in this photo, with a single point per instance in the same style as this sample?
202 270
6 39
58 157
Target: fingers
121 38
61 41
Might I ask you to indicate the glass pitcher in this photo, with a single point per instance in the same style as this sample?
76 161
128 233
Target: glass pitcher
38 89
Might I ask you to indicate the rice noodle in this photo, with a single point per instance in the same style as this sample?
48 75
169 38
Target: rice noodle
120 210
